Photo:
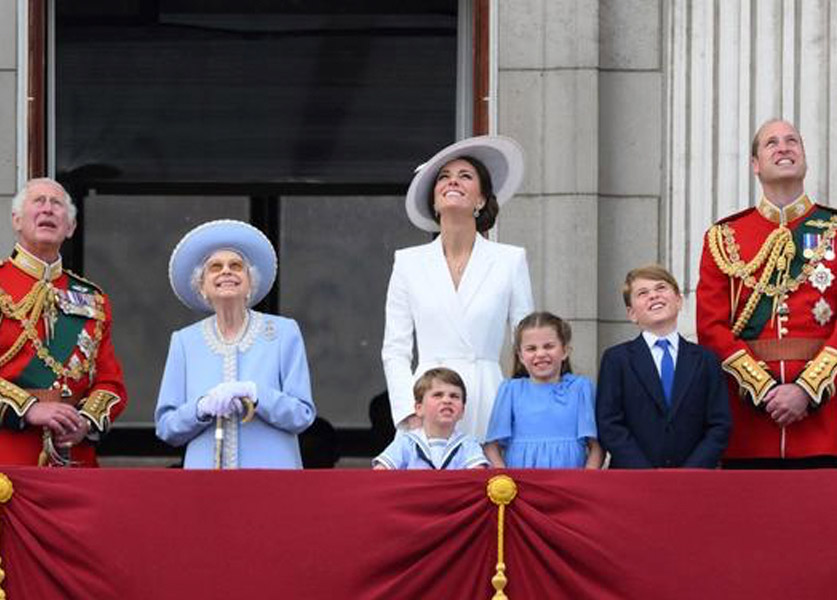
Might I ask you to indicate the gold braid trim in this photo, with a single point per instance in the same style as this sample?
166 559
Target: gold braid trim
96 407
751 375
42 297
776 253
16 397
818 377
30 306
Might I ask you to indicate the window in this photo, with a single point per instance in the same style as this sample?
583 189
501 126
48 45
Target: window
305 118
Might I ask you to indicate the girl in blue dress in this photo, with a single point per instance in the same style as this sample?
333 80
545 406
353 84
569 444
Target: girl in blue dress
544 416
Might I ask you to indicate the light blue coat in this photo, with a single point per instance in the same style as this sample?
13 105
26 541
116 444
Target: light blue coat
271 353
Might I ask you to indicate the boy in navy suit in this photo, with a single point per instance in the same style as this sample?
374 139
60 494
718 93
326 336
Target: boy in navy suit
661 400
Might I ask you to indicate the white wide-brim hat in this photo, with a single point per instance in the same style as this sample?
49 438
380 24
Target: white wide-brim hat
203 241
502 156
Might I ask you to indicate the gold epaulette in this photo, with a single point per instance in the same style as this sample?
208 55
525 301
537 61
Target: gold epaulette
16 397
96 407
75 275
750 374
818 377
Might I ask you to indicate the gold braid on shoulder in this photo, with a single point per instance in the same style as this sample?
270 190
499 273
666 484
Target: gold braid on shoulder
27 311
30 306
774 255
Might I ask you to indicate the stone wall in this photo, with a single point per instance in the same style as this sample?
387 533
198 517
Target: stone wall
8 119
580 86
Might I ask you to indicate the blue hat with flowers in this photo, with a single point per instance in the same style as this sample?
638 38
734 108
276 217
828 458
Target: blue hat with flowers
203 241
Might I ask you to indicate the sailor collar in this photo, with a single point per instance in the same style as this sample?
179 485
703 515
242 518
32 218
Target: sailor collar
34 266
784 215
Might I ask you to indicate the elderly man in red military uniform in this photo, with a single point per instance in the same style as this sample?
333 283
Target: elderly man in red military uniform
766 304
60 381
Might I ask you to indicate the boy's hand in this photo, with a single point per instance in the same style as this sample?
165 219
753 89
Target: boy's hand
786 404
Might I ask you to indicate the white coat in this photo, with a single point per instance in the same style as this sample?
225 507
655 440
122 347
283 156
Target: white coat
462 329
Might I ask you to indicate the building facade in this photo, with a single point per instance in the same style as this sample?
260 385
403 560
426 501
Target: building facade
636 118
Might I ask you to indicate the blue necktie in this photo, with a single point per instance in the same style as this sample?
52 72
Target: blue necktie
666 369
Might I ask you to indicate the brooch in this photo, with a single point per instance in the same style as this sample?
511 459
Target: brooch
269 332
821 278
822 312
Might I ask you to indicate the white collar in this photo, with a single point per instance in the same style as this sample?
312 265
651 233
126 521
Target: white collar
673 339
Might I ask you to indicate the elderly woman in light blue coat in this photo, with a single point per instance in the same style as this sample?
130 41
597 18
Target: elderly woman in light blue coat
236 389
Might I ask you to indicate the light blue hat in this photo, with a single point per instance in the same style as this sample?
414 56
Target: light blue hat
204 240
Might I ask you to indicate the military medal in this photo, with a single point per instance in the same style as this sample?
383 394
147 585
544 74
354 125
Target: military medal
809 242
86 344
822 312
829 250
821 278
74 302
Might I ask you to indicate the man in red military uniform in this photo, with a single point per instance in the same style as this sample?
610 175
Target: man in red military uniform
60 381
766 304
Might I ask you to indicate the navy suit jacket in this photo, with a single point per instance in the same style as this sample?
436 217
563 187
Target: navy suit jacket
636 426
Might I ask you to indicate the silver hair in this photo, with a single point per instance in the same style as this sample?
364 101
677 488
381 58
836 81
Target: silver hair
196 280
20 197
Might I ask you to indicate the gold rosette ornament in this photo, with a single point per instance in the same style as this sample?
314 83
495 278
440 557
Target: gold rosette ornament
501 491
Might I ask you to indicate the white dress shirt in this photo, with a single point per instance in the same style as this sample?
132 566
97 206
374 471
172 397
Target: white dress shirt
657 352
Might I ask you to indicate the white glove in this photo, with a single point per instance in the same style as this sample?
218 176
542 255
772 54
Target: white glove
213 405
247 390
224 400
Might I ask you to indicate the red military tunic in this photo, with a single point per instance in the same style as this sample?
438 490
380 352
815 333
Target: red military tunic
766 303
77 358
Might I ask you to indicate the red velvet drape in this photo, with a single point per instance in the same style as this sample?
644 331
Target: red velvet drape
160 534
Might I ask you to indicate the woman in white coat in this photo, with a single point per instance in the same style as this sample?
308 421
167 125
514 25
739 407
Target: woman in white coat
459 293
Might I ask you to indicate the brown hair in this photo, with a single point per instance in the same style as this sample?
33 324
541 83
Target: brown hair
488 213
533 321
425 382
654 273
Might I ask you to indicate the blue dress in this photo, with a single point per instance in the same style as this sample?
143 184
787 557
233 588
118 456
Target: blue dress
544 425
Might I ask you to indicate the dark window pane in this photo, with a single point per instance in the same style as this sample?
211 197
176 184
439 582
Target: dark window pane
259 91
335 260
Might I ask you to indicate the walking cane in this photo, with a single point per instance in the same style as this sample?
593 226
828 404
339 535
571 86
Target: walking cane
249 411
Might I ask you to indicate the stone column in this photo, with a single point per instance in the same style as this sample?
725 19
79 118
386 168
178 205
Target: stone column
631 116
580 86
548 98
8 119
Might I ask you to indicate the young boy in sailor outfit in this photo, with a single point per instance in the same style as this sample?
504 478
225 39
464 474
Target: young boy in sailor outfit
440 402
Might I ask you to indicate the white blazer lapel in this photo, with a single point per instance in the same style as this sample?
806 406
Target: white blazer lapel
476 272
436 270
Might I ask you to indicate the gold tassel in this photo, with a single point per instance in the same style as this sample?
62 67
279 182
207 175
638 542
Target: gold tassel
501 490
50 456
